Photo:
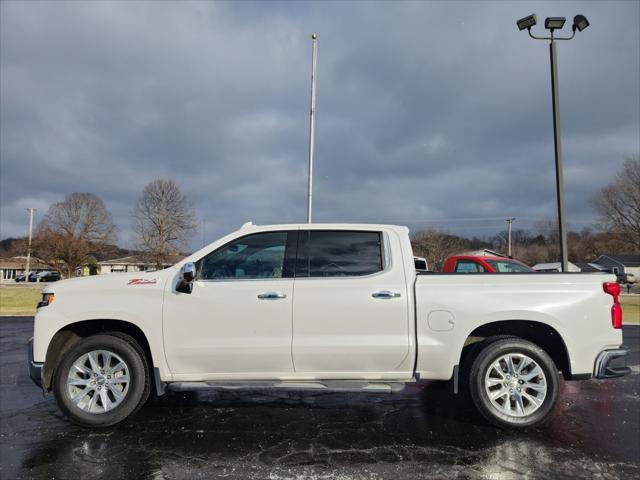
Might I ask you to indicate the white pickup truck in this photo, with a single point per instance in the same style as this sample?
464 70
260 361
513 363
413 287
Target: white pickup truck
322 307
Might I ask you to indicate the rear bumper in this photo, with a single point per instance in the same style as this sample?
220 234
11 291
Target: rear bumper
612 363
35 369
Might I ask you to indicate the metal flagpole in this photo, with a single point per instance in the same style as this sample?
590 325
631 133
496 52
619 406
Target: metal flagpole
312 125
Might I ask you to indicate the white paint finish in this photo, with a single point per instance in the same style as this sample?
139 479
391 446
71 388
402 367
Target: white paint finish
340 327
222 331
441 320
105 298
573 304
223 328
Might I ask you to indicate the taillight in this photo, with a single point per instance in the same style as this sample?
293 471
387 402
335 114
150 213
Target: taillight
613 289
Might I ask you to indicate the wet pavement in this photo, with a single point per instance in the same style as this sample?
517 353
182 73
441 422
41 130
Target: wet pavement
423 432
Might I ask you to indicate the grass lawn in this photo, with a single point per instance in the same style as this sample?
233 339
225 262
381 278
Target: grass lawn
19 300
630 310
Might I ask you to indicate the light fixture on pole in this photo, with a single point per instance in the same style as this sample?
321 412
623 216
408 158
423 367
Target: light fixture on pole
312 123
580 22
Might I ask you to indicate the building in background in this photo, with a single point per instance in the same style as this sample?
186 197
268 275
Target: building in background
587 267
555 267
10 268
134 263
619 264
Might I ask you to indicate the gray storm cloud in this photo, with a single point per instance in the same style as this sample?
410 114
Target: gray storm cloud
426 111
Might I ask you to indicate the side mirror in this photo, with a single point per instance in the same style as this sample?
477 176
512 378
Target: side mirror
189 272
421 264
187 275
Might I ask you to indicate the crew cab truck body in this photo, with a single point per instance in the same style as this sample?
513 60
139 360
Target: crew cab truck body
322 306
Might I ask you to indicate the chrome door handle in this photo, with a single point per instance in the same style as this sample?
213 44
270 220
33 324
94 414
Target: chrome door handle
271 296
385 294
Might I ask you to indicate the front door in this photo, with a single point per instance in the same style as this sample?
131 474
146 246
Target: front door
236 322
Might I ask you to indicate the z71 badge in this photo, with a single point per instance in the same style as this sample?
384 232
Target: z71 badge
141 281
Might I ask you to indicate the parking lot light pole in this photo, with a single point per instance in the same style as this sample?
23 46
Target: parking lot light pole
580 22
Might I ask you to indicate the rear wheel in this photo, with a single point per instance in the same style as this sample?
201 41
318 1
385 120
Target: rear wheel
101 380
513 383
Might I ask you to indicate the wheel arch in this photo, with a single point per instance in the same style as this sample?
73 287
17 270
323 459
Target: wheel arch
65 338
542 334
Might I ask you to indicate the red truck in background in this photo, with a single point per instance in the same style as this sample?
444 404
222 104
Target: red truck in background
482 262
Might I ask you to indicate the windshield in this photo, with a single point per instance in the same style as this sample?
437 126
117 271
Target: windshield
509 266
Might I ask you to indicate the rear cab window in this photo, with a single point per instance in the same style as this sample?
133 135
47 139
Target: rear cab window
468 266
507 266
339 253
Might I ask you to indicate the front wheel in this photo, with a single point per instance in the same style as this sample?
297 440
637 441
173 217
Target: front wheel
101 380
513 383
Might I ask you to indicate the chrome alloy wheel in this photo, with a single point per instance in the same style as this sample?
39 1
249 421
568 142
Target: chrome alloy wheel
515 385
98 381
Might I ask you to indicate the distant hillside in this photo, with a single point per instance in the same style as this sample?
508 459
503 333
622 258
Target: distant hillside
12 247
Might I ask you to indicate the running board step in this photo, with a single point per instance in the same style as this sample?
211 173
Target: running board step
329 386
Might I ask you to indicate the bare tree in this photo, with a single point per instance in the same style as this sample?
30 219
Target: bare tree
549 231
436 246
619 204
163 220
519 239
73 231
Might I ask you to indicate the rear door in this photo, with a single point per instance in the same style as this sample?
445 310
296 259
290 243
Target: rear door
350 307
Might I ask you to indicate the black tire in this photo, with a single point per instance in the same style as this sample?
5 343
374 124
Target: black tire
147 365
139 383
491 351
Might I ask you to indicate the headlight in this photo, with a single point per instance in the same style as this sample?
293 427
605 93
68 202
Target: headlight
47 298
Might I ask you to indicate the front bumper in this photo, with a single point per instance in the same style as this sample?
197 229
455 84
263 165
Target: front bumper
612 363
35 369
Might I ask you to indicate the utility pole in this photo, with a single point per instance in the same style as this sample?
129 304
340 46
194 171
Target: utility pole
26 271
312 123
203 230
509 221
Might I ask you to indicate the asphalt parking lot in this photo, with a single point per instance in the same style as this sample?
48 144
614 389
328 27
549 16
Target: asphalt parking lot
423 432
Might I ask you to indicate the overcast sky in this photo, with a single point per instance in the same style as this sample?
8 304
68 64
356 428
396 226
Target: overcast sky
428 113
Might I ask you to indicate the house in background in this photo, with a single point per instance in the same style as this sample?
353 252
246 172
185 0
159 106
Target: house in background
555 267
134 263
11 267
619 264
587 267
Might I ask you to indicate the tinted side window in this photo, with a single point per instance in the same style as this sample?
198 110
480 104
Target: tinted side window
468 266
255 256
339 253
